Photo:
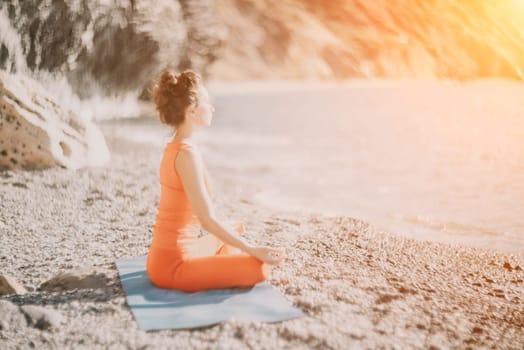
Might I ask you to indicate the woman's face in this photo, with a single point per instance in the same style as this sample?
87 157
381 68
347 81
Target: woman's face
203 112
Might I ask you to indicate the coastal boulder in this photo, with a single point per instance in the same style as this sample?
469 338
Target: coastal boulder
8 285
36 133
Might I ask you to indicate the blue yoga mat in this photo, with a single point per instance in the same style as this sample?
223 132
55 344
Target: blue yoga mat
156 308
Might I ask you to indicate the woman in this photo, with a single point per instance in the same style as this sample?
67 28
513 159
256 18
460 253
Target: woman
178 257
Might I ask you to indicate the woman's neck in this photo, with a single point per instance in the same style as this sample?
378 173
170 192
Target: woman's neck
183 134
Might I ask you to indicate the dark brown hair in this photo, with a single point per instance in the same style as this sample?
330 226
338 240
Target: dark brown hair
173 93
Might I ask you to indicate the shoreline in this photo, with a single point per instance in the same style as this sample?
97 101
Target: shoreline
512 244
358 288
145 130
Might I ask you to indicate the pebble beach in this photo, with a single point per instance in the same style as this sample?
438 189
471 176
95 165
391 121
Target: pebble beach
359 288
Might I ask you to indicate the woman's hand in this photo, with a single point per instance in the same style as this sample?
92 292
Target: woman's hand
267 254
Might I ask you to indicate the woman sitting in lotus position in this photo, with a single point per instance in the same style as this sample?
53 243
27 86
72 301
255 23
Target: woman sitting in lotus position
179 258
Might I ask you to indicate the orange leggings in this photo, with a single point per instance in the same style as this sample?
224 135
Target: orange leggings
204 263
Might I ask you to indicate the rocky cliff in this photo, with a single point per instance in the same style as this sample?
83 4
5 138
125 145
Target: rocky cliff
380 38
114 46
107 46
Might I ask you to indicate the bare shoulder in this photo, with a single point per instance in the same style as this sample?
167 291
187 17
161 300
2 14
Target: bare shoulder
188 159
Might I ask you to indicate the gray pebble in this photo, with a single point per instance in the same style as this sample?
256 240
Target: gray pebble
41 317
10 316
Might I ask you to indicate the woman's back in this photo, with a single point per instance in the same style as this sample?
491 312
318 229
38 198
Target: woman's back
175 215
172 195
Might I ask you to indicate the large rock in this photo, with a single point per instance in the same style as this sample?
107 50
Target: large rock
76 279
35 132
8 285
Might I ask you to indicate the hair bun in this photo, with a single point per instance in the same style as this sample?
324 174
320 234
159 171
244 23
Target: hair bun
173 93
167 78
182 79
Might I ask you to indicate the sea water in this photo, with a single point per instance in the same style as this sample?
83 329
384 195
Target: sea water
428 160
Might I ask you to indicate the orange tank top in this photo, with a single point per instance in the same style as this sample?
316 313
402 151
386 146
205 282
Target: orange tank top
175 216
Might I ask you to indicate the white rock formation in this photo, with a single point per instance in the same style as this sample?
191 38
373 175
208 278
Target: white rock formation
36 133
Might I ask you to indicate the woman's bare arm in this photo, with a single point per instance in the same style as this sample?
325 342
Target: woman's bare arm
191 170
